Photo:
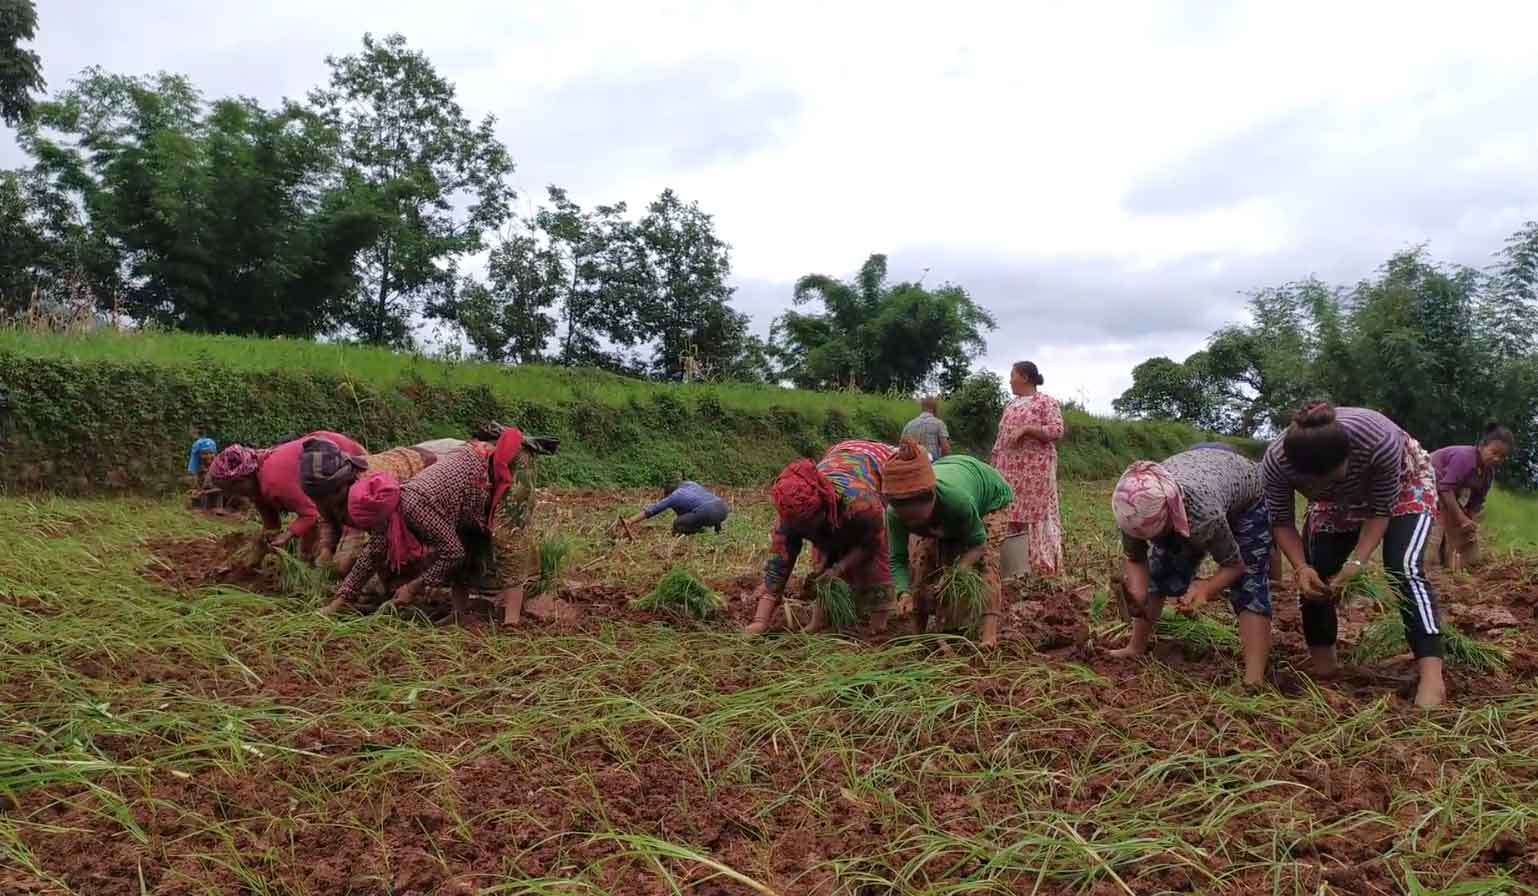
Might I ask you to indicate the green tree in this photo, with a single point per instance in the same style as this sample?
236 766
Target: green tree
686 313
439 178
20 69
222 218
973 411
878 336
508 318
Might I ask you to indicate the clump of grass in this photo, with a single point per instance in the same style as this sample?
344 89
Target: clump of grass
837 601
552 555
296 577
1384 637
680 592
963 592
1199 631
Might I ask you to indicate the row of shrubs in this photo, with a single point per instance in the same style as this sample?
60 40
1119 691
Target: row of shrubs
89 426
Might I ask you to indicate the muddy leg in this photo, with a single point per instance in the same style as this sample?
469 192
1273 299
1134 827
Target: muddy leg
512 606
819 619
763 614
460 596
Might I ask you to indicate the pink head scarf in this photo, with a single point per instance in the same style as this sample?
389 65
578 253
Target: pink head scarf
233 464
373 505
1147 502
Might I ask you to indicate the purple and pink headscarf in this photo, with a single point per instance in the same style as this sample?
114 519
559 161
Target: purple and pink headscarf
1147 502
234 464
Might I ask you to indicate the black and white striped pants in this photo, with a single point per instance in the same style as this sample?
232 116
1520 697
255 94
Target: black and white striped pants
1404 554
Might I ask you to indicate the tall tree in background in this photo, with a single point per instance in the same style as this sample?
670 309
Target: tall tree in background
21 72
508 318
878 336
1439 348
222 218
686 311
439 178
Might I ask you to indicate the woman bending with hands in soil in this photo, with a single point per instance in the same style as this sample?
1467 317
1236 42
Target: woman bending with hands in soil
952 510
448 514
835 504
1464 476
269 478
326 472
1205 501
695 508
1369 484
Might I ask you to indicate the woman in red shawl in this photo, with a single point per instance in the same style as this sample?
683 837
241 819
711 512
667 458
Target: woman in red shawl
270 479
836 505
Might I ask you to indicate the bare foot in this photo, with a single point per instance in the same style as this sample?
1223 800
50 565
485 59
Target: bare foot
1430 694
1325 672
1125 653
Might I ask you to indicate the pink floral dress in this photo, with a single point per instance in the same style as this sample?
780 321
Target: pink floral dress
1030 467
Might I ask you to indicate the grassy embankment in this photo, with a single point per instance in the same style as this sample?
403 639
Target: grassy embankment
123 407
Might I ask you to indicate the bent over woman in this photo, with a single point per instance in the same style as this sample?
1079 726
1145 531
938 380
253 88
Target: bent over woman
952 510
1369 485
835 504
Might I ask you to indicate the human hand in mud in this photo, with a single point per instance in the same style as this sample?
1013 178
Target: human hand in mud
1310 585
406 594
1194 599
904 604
280 542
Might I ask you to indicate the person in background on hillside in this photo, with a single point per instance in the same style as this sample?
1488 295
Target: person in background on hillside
952 509
199 458
1464 476
269 478
326 472
1026 453
835 504
1208 501
1369 484
465 521
929 430
696 507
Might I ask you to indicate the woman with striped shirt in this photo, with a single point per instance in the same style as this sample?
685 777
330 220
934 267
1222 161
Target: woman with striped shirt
1369 484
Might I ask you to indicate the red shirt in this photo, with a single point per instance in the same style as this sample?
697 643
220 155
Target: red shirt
278 478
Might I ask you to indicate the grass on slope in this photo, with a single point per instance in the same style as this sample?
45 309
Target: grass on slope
381 367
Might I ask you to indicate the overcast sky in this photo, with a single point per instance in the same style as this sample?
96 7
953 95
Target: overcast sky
1106 178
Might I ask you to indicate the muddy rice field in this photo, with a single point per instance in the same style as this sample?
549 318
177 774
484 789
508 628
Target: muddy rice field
174 723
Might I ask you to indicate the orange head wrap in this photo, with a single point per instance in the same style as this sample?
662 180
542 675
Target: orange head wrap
802 492
908 472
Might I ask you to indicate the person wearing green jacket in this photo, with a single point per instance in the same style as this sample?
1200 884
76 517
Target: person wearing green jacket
950 508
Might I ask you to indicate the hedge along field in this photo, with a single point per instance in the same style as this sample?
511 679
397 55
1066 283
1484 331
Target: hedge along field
112 411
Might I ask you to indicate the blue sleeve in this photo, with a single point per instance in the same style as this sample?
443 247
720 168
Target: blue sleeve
664 504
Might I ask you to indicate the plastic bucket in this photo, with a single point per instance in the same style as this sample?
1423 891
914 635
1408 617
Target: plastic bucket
1014 556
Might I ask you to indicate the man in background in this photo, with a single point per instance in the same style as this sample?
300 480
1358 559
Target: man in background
929 430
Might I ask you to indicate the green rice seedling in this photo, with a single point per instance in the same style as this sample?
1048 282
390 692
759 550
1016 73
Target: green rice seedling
310 583
1200 631
1384 637
962 588
680 592
837 601
552 555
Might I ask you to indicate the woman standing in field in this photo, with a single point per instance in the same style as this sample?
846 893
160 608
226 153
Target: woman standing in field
836 505
951 508
269 478
1369 484
1464 476
1172 515
1026 453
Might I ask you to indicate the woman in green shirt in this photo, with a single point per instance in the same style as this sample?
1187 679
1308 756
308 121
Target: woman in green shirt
950 507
